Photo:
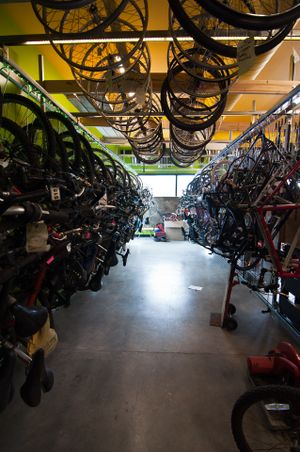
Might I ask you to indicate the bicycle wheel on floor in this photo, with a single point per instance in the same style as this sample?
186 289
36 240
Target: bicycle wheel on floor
267 418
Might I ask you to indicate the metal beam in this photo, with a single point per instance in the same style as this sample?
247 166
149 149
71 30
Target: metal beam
253 87
100 121
94 116
110 36
213 145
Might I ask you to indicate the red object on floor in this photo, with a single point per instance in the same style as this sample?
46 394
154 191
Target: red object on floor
283 361
159 231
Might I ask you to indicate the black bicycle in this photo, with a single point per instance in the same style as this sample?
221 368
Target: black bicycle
267 418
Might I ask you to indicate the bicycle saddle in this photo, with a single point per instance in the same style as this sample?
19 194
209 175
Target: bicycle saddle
28 321
38 379
111 258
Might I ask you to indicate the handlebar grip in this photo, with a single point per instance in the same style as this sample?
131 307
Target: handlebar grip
53 215
34 212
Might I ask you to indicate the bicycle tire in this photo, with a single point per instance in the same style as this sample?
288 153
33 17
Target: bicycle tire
61 156
41 122
190 127
251 21
231 229
64 5
68 131
101 172
20 140
108 161
216 46
249 266
282 394
180 164
152 159
211 62
80 34
88 156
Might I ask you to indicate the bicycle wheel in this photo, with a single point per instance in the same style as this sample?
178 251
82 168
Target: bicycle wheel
68 134
84 18
172 108
202 28
28 115
232 231
108 161
64 4
247 261
253 15
88 156
267 419
14 143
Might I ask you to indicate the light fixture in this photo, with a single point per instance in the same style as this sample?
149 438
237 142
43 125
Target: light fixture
145 39
296 100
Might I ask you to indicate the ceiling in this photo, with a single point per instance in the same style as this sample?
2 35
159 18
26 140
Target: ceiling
253 94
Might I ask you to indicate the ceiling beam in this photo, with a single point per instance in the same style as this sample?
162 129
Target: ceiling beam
253 87
110 36
92 119
234 126
213 145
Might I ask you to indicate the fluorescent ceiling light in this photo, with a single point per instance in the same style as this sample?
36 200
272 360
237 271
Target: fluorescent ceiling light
146 39
296 99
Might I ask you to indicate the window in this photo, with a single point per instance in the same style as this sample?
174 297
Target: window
160 185
182 182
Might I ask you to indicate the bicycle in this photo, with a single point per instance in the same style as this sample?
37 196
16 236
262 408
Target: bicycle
267 418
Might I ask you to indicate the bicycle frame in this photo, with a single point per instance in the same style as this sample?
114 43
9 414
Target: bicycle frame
269 242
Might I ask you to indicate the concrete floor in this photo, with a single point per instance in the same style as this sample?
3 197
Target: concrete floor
138 368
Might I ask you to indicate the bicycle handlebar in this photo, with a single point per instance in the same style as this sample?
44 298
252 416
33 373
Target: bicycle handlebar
34 212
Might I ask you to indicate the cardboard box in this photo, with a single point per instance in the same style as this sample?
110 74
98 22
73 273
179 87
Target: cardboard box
174 230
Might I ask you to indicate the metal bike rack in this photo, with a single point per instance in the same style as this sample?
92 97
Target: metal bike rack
286 107
282 108
13 73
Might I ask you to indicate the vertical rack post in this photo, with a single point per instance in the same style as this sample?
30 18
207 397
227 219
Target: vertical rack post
224 319
41 69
